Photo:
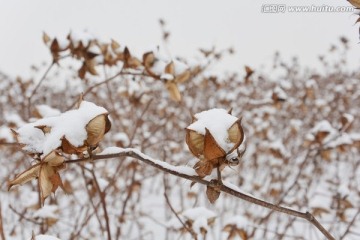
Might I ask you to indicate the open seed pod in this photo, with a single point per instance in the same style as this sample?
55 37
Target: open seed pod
206 146
213 136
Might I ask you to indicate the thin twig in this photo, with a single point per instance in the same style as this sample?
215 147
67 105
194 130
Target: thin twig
347 231
103 204
128 196
91 200
37 87
2 234
139 120
193 234
222 187
22 216
120 73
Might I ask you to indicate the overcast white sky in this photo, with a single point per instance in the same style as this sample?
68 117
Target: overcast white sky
193 23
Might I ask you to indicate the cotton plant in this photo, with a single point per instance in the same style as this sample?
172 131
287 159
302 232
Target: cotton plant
50 140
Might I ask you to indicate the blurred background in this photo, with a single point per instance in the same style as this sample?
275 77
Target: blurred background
254 34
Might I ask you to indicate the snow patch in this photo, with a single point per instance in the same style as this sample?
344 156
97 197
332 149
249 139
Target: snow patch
239 221
46 111
47 211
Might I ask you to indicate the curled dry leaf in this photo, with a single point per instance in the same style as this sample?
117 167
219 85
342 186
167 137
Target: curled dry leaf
183 77
26 176
235 232
47 174
148 62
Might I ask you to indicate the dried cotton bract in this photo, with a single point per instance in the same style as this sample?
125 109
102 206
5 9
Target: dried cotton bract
48 139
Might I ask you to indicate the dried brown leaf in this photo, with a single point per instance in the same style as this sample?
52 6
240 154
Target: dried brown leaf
114 45
173 91
25 176
90 67
345 203
318 211
170 68
326 154
82 71
55 179
249 73
242 234
54 159
203 168
45 183
134 63
46 38
355 3
212 194
183 77
148 59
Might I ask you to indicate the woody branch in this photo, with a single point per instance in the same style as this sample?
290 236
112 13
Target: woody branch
222 186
